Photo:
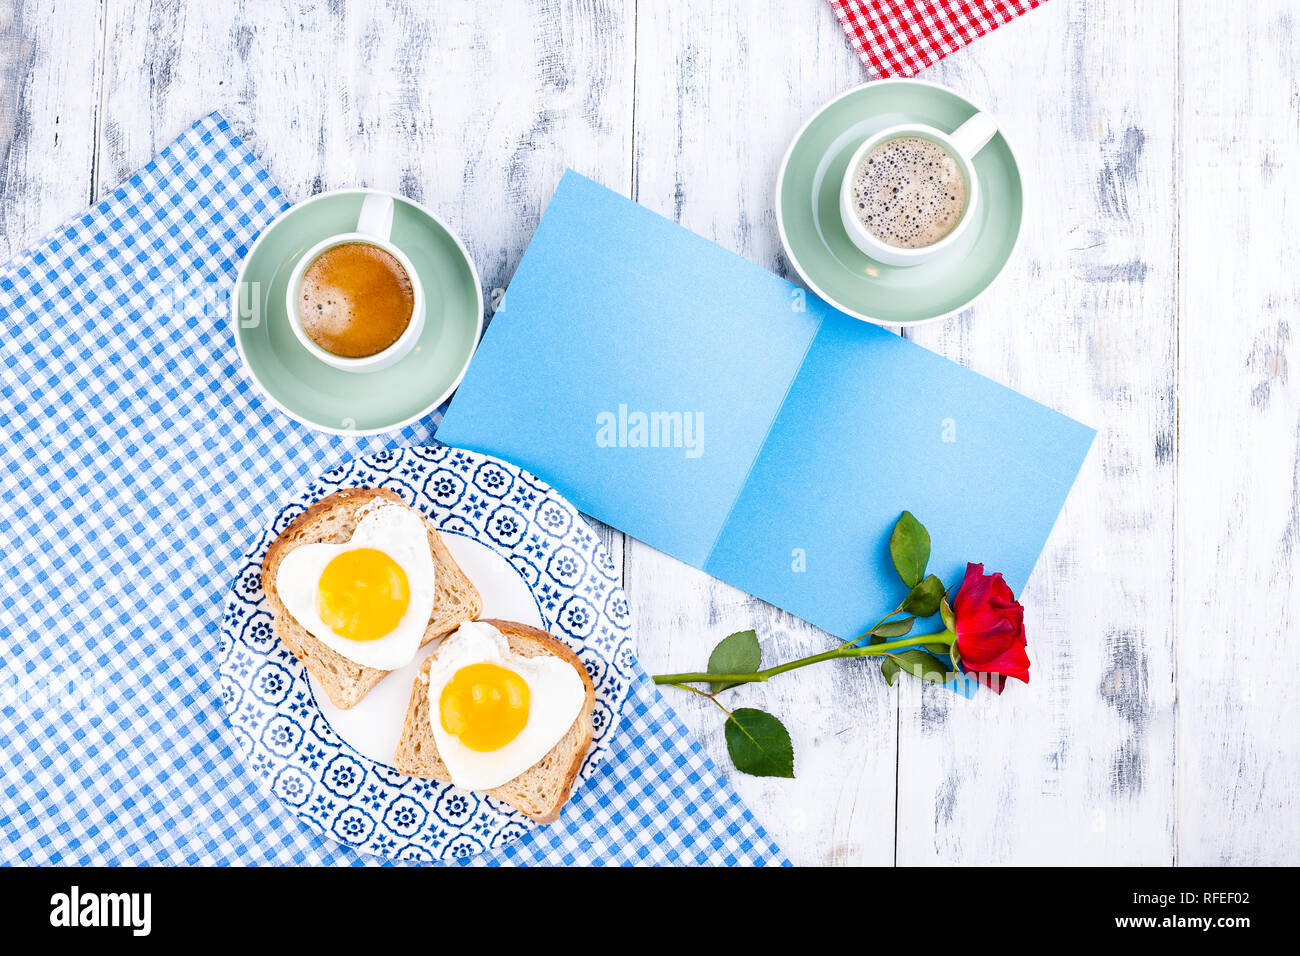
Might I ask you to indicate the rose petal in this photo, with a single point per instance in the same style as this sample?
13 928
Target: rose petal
973 592
1001 590
996 682
1013 663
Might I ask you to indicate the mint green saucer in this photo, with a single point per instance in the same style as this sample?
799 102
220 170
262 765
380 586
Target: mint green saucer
357 402
808 215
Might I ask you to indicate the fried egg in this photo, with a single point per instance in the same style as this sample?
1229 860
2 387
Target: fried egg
369 599
495 713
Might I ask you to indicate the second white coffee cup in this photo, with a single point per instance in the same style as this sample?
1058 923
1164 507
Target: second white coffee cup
962 144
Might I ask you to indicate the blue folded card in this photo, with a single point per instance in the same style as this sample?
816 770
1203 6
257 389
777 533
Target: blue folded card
721 414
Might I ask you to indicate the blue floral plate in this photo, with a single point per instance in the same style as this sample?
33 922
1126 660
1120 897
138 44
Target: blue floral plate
533 559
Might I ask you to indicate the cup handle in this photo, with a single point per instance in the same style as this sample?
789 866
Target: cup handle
971 136
376 217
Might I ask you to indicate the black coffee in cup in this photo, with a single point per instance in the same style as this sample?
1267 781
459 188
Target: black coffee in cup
355 300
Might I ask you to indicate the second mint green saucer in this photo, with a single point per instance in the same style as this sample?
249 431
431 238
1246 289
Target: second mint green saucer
346 402
808 214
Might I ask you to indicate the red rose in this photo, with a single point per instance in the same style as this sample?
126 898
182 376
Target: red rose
990 627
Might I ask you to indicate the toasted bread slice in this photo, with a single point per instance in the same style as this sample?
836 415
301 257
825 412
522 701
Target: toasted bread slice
333 519
541 790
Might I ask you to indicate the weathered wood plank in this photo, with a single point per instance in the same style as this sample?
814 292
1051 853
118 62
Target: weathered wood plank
50 55
474 110
1078 766
721 89
1239 436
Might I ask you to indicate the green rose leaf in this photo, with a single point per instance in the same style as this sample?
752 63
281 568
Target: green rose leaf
759 744
920 664
737 653
889 670
945 611
924 599
909 546
892 629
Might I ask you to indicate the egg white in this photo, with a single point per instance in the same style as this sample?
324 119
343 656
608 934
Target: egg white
556 694
400 533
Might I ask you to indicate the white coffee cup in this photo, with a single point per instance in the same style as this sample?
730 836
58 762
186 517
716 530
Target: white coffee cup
962 144
374 226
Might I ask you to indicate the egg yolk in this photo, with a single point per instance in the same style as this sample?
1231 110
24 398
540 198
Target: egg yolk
485 705
362 594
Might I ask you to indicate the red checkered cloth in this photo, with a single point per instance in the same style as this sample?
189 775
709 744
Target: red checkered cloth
903 37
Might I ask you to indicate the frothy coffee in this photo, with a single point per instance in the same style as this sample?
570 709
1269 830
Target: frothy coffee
909 192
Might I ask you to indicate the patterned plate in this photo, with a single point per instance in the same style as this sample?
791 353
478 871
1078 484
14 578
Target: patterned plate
284 732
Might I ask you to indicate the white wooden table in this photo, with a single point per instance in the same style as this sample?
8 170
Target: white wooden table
1153 298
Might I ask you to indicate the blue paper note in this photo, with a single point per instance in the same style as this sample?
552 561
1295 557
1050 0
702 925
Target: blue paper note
715 411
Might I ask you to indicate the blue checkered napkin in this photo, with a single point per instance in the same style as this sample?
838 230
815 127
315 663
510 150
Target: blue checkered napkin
137 464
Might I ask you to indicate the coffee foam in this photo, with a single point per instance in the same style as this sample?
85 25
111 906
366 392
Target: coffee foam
355 300
909 192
